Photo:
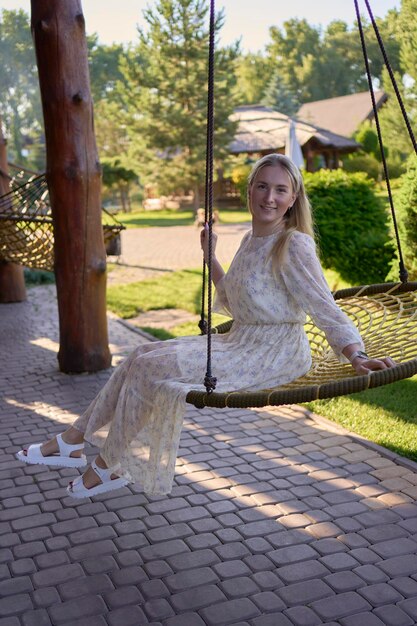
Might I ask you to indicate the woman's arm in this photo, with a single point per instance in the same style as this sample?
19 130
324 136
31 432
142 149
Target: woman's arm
360 361
304 278
217 272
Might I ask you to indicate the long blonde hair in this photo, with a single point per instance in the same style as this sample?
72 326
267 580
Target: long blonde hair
298 217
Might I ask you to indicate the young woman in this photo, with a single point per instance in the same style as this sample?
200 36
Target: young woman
273 281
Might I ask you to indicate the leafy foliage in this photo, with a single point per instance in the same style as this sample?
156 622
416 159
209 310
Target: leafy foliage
166 98
352 225
315 65
406 209
20 105
279 97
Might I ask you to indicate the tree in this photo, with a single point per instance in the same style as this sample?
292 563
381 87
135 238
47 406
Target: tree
165 95
19 95
252 71
315 64
104 62
291 51
279 97
408 38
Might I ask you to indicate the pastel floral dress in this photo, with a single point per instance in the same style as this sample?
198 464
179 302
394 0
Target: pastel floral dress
137 417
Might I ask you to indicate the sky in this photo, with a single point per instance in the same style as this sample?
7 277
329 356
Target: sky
116 20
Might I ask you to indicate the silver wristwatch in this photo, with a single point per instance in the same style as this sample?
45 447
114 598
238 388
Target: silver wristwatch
358 353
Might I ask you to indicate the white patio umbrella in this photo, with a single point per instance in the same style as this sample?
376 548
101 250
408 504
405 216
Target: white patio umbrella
292 147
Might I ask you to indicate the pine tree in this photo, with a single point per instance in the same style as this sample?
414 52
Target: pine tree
279 97
166 99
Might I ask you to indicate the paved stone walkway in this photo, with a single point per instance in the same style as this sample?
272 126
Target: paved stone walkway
275 519
148 252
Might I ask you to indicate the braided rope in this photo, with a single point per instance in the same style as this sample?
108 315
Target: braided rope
403 271
209 380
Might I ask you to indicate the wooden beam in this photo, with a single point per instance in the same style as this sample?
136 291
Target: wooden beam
74 181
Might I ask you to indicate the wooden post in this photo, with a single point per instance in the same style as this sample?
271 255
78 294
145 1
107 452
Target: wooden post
74 181
12 282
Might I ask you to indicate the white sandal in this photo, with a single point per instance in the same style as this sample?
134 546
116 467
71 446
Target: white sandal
77 489
59 459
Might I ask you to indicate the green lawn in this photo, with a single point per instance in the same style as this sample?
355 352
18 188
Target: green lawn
145 219
386 415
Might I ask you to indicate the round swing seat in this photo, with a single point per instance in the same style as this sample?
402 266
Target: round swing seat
386 316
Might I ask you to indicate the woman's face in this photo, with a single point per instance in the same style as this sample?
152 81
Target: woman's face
270 195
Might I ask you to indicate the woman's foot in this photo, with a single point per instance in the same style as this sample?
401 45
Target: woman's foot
91 479
98 478
65 450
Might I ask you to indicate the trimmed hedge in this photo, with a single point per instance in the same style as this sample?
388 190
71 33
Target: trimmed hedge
352 225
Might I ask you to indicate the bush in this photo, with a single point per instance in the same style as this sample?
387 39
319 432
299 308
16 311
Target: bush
239 175
362 162
38 277
405 200
352 225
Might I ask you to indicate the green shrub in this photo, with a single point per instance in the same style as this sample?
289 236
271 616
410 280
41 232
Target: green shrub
405 201
362 162
352 225
38 277
239 175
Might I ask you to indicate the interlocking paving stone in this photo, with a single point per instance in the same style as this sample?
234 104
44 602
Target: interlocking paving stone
225 613
272 620
189 619
302 593
38 617
158 608
344 581
302 616
238 587
127 616
410 607
340 605
392 615
362 619
15 604
302 571
380 593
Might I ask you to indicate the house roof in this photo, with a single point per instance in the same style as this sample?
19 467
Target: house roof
344 114
261 128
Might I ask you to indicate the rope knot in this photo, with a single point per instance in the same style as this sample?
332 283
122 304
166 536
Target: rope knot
203 326
210 383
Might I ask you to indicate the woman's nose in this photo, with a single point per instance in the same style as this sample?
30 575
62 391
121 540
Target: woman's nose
270 195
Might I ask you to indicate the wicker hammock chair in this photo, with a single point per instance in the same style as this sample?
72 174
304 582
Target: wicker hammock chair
385 314
26 228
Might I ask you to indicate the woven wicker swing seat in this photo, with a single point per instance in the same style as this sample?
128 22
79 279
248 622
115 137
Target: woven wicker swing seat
386 316
26 227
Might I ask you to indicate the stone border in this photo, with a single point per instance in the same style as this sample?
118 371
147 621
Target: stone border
389 454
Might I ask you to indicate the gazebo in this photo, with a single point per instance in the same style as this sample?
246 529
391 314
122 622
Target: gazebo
262 130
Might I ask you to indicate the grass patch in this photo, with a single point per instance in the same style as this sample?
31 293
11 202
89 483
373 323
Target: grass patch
386 415
166 217
177 290
182 330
